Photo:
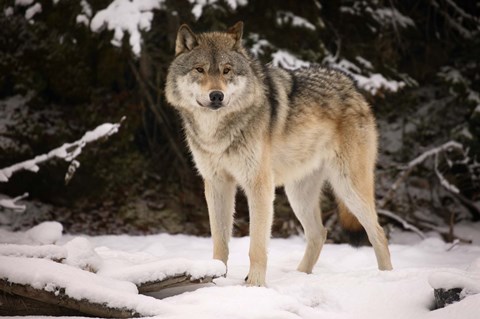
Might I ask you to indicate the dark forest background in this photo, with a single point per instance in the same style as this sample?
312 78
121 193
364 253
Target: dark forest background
59 79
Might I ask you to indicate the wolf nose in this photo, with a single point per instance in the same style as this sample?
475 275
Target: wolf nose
216 96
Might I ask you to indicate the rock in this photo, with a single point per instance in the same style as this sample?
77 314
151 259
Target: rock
445 297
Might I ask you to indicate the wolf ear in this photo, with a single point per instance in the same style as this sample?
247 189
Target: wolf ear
236 32
186 40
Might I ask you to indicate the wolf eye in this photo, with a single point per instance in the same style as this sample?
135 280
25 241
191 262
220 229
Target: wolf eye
226 70
200 70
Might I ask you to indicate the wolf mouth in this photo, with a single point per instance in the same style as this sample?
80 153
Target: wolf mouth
213 106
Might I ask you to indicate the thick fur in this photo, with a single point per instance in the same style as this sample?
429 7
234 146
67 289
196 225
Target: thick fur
272 128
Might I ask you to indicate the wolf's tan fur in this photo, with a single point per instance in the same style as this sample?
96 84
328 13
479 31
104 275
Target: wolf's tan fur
274 127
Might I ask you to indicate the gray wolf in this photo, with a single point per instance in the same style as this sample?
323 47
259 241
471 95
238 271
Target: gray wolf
258 127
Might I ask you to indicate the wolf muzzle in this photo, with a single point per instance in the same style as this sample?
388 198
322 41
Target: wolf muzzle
216 99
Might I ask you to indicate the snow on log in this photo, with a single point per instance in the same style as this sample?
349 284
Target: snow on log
73 288
158 275
52 252
163 269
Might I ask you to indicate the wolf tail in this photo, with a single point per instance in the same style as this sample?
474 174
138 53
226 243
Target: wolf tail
355 232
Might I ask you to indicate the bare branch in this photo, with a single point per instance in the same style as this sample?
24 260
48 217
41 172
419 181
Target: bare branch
411 165
402 221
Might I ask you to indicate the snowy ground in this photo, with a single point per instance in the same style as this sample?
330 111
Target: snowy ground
345 283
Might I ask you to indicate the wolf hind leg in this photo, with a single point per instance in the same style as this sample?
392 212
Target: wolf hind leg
304 198
356 190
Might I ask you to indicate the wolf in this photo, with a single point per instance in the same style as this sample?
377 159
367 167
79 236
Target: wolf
257 127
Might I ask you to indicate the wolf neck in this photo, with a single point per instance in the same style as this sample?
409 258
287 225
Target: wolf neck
217 131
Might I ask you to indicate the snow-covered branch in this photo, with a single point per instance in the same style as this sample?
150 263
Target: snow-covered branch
68 151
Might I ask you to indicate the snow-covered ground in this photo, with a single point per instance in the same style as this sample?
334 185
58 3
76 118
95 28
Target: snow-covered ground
344 284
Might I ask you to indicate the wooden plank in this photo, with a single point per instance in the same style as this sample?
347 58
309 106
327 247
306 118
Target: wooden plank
59 298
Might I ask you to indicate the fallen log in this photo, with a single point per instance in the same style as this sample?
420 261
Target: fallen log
14 305
58 299
57 289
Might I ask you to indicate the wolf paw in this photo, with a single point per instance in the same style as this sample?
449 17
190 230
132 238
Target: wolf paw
255 279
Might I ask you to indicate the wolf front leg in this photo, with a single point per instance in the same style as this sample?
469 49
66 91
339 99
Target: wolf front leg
260 203
220 196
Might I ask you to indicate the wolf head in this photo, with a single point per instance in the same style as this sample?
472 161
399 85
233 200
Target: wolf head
211 71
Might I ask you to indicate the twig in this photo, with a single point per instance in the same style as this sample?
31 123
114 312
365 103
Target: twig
450 187
402 221
11 203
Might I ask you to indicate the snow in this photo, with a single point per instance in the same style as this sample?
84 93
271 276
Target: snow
44 251
474 97
468 280
376 82
391 16
81 254
372 82
84 17
42 234
287 60
198 5
259 44
11 203
345 283
452 75
23 3
126 16
78 284
455 278
8 11
284 17
160 270
367 64
33 10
